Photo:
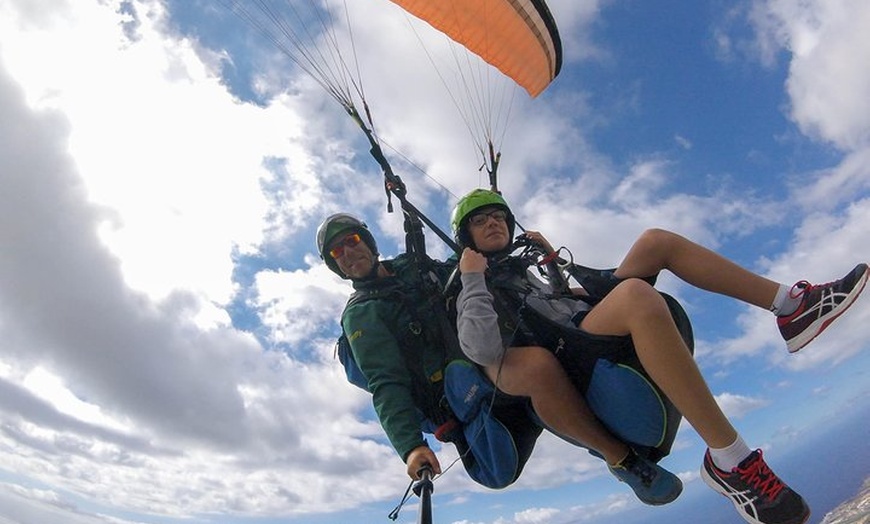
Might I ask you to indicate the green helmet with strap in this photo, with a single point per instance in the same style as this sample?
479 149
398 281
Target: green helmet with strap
335 225
467 205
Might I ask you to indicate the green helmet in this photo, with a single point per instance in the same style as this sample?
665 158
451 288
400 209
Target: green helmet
471 202
335 225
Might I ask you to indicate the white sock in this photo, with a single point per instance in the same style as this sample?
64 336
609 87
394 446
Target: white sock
785 304
728 458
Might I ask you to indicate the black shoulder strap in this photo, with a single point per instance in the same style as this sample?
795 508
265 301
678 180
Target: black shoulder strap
510 290
361 295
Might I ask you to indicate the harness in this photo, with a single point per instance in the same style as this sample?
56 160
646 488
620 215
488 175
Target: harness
418 337
511 290
457 403
605 369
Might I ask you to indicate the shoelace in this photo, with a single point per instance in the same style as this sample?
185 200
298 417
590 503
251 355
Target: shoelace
802 288
759 476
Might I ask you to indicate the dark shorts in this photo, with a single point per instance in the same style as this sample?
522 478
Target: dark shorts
608 373
518 417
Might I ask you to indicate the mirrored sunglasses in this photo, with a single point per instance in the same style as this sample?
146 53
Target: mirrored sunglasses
350 240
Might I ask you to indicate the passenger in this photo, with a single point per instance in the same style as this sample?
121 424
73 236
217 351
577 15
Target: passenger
628 312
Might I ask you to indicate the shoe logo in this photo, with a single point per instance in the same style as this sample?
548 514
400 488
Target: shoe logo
743 500
828 301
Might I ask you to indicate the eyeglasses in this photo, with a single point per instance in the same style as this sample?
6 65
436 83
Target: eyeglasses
479 219
350 240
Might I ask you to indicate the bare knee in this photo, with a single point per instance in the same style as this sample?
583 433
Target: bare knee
657 240
634 290
650 253
633 300
640 299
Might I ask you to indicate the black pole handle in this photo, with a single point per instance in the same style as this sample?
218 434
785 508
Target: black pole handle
423 488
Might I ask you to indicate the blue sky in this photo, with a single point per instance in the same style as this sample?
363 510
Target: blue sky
166 328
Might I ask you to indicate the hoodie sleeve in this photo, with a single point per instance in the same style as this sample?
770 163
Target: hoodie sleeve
477 321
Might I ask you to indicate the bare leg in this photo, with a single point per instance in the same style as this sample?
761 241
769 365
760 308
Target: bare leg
635 308
534 372
657 249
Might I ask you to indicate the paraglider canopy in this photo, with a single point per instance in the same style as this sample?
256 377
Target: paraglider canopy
518 37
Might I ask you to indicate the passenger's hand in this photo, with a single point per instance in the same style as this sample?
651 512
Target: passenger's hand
538 238
472 261
419 457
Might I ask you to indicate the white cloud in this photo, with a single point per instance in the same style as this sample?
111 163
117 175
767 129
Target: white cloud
124 229
736 406
610 506
536 515
297 303
683 142
176 199
50 388
131 180
827 43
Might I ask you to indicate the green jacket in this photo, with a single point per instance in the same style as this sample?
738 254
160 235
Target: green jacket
399 347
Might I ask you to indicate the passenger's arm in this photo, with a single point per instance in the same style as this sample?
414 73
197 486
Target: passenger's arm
476 319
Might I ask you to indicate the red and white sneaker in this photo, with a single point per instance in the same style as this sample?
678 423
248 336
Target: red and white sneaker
759 496
819 307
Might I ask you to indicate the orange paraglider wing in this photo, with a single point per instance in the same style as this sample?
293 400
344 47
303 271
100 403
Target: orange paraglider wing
518 37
